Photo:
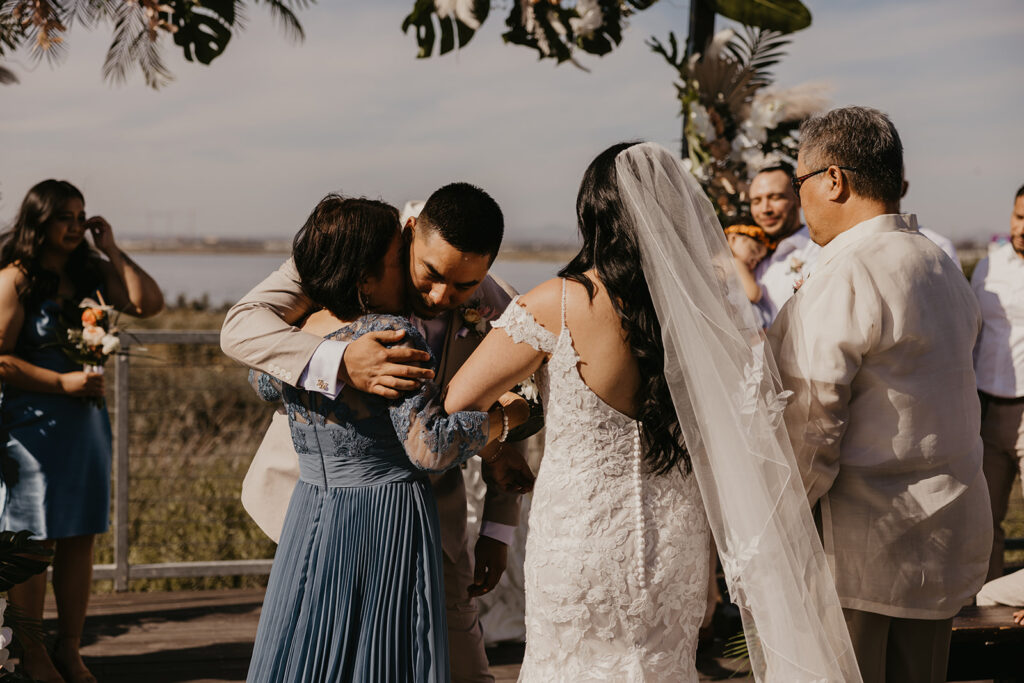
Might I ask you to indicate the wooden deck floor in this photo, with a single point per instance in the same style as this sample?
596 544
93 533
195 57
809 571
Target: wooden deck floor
193 636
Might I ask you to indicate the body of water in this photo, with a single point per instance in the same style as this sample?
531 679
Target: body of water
225 278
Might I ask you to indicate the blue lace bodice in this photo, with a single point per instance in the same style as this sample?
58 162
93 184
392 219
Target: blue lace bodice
360 439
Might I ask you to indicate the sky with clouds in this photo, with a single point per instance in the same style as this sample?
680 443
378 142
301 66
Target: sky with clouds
247 146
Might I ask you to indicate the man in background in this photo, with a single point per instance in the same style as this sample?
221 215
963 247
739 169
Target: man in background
998 282
775 207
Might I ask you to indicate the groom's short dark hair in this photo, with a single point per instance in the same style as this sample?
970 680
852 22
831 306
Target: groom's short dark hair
861 138
466 217
1020 192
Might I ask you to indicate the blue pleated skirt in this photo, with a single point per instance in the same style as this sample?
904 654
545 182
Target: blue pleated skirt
356 592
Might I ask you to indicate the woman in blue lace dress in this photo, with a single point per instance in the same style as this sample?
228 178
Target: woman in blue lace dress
356 591
55 467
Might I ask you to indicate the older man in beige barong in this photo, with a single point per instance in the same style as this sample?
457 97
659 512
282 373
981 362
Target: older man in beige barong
877 347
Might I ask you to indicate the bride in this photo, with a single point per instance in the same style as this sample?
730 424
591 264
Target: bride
663 420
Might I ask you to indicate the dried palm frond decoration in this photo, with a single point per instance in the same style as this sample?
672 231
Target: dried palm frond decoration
735 122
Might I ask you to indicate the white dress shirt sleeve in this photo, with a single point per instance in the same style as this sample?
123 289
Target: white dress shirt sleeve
499 532
321 373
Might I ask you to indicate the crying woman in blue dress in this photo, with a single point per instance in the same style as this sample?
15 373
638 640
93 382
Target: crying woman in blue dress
356 591
55 465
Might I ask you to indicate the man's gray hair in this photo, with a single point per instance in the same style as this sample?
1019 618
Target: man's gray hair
861 138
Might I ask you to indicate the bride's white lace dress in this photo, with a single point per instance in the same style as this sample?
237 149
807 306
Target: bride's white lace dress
616 558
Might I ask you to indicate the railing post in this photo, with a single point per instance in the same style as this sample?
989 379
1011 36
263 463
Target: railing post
121 400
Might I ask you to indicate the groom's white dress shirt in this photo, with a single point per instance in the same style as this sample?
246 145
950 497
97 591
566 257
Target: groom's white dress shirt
783 272
877 347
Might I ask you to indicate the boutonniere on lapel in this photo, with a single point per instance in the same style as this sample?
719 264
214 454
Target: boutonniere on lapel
796 267
476 317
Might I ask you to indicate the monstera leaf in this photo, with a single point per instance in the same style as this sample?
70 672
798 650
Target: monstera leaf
457 22
203 30
784 16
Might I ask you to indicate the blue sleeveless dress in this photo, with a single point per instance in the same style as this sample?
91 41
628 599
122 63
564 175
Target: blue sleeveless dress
356 592
55 469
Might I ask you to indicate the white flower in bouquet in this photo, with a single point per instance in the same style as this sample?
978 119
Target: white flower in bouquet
741 143
93 335
700 172
755 159
766 111
755 134
528 389
111 344
591 18
702 121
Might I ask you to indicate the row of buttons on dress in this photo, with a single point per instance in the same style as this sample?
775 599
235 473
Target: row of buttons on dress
641 573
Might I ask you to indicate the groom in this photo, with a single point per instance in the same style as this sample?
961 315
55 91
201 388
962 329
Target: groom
877 348
450 247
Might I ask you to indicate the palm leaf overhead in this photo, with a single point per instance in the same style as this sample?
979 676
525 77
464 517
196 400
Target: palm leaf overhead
202 30
758 50
284 14
131 46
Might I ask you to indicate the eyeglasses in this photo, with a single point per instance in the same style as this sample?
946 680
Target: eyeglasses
799 180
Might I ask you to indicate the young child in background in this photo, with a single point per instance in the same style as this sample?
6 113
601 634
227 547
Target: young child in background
749 245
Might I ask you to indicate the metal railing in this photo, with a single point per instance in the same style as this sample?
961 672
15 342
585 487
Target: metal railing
122 571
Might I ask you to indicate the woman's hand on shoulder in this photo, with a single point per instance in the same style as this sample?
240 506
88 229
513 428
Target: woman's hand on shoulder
384 363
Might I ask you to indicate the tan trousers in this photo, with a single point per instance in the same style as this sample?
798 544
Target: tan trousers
894 650
465 635
1002 432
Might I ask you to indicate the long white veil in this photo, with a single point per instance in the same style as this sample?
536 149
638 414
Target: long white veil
728 399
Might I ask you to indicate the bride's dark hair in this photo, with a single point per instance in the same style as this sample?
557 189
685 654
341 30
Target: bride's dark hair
610 248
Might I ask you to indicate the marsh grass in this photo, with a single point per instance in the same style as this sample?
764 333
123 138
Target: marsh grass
195 425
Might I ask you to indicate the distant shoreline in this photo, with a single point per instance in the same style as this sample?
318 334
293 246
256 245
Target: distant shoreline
553 254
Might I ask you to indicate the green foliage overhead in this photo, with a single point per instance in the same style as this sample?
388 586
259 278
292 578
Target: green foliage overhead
454 31
201 29
784 16
557 29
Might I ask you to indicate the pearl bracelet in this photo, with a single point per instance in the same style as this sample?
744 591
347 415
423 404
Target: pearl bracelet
504 424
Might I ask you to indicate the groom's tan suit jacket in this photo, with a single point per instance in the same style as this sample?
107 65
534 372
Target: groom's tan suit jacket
258 332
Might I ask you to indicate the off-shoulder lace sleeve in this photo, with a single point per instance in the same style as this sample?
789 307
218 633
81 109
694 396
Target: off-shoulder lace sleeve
520 325
266 387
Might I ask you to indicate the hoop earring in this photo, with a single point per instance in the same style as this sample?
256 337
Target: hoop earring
363 307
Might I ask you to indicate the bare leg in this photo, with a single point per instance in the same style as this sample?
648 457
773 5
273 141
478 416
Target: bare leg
28 597
72 582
